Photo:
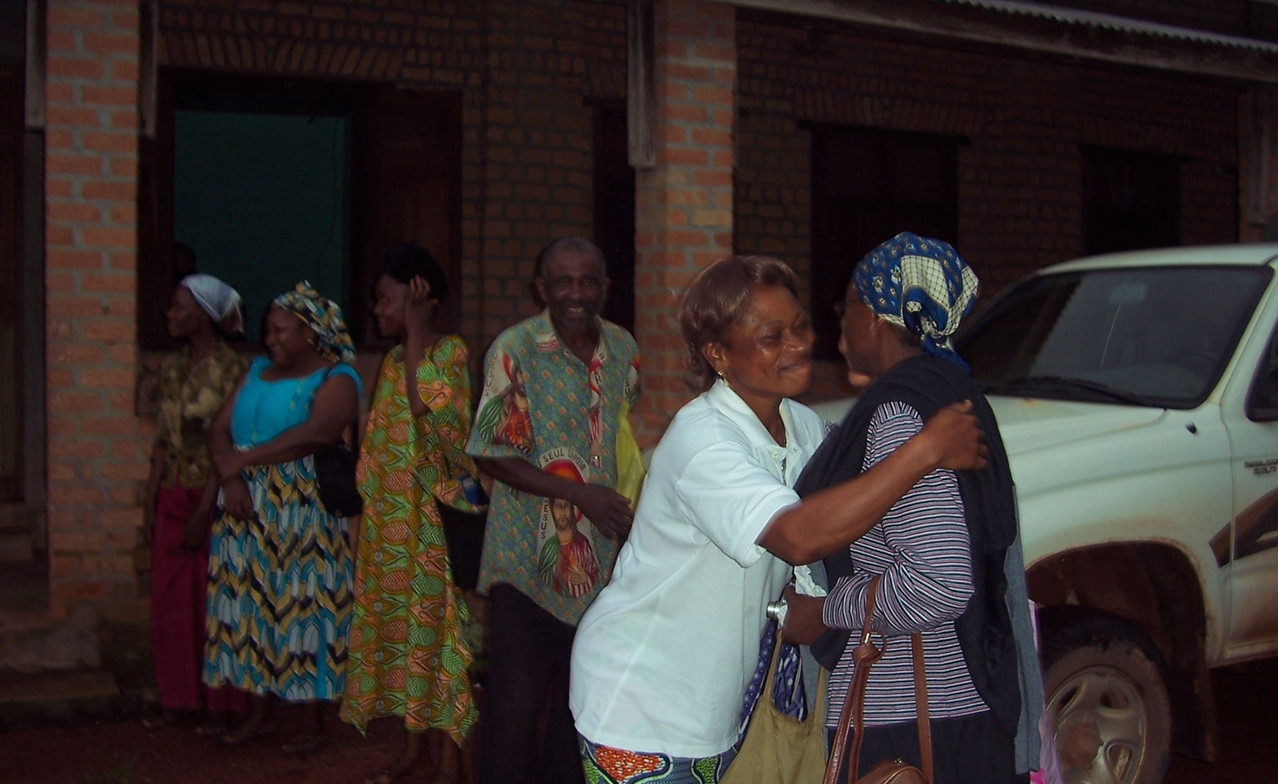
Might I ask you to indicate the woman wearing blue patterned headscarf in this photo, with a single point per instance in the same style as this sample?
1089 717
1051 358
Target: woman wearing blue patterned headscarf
919 284
946 556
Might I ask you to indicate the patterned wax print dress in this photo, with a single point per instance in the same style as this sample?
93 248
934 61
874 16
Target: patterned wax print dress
279 595
407 656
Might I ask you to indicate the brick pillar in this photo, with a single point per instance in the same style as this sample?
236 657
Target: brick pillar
683 205
96 452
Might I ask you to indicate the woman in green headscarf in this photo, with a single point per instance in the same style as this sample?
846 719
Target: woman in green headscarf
279 595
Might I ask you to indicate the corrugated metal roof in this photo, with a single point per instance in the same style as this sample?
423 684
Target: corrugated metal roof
1070 16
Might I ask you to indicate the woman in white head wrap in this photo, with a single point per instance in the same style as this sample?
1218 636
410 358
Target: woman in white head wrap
181 490
217 299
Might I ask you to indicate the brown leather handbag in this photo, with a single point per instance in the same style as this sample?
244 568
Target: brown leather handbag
889 771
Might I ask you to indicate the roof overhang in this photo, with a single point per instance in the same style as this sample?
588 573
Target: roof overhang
1045 28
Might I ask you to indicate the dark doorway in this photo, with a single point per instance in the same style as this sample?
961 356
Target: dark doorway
1131 200
325 178
614 187
867 186
409 181
11 264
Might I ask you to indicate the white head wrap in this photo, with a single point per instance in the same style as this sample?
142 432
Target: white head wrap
217 299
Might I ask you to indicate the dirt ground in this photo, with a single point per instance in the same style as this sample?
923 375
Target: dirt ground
96 745
122 752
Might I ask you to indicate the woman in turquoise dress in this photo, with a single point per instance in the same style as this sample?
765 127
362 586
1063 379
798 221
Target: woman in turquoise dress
280 571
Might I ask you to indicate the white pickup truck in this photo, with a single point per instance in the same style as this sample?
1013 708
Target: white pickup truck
1137 394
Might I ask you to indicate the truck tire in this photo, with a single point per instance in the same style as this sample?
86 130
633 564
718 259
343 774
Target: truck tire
1106 697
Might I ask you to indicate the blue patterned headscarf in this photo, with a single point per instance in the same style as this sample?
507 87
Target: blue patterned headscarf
324 317
920 284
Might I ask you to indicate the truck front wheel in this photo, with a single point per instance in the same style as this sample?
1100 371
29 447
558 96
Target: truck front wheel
1106 698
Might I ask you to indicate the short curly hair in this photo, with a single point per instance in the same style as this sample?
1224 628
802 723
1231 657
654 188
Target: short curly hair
716 301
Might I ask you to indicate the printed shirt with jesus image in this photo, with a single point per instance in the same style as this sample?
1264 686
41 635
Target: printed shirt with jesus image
542 404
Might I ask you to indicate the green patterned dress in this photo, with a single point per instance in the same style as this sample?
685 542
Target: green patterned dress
407 656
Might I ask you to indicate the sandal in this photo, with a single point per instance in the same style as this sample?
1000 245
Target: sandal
243 736
165 719
213 724
386 775
304 743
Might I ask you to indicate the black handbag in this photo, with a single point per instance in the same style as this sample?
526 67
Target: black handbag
335 480
335 477
464 535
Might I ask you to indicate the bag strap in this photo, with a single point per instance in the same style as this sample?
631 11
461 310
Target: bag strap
771 677
817 714
353 424
864 656
922 714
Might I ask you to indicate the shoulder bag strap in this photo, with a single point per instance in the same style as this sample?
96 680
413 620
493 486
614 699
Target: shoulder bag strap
864 656
921 707
353 425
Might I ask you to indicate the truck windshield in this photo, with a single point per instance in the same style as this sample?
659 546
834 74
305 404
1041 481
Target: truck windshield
1155 336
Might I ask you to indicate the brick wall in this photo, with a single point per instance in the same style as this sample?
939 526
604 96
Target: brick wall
1023 121
547 60
1019 199
96 457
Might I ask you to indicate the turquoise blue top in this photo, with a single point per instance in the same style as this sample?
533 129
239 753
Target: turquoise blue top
264 409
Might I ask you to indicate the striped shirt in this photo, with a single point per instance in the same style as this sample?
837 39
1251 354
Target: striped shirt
921 548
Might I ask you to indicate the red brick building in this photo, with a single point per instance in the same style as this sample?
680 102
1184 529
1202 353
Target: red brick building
297 138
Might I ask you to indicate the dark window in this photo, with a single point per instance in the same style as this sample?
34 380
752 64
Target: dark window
11 265
867 187
1262 399
1131 200
270 183
614 202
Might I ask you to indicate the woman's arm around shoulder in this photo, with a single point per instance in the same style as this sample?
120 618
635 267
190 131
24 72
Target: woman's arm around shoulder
833 518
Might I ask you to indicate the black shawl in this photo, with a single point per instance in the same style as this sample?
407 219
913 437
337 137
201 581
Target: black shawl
928 383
